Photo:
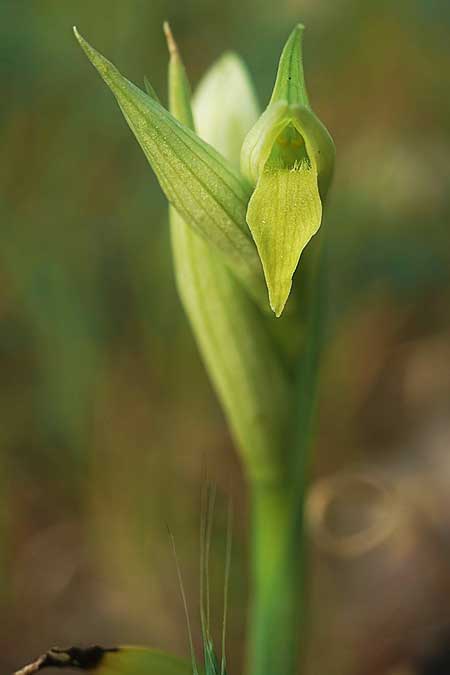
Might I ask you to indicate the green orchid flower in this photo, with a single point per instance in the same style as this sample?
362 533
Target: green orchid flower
289 156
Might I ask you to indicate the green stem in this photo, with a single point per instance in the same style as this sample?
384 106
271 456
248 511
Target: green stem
274 636
277 619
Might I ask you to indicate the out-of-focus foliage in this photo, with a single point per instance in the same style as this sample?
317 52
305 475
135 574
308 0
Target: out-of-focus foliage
106 418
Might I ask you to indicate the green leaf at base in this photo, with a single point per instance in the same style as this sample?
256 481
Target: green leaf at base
111 661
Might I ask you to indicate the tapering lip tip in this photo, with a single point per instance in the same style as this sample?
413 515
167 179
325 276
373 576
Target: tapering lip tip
278 298
277 308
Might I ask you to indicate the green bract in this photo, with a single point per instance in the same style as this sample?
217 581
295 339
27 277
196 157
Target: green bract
202 186
289 155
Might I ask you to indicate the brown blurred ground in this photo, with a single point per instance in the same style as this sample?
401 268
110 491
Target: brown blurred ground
107 417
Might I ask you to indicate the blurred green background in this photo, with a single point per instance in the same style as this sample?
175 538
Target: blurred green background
107 419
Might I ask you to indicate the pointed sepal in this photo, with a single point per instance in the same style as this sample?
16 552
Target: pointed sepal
226 125
290 82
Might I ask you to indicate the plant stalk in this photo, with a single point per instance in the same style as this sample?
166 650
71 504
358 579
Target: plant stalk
276 579
278 613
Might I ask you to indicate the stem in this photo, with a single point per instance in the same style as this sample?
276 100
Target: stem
278 545
274 618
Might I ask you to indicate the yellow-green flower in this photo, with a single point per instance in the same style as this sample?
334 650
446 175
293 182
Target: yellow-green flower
289 156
